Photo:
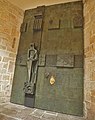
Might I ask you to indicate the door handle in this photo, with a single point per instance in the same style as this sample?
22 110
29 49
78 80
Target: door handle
52 80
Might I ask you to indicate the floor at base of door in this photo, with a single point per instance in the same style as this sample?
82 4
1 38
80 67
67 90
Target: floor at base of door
9 111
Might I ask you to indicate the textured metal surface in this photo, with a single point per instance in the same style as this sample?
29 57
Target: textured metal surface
37 23
77 41
65 60
23 27
68 88
64 40
46 91
79 61
78 20
28 36
42 59
65 23
51 60
54 23
21 60
29 100
57 32
18 95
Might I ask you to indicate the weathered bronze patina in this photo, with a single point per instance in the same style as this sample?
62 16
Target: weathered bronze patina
52 73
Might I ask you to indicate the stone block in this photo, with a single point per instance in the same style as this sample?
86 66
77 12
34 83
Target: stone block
0 76
88 96
6 77
1 92
5 65
13 55
2 47
6 59
49 117
3 71
88 105
5 16
93 76
13 18
0 58
10 49
11 67
92 39
14 30
38 113
3 53
93 99
87 18
93 92
7 29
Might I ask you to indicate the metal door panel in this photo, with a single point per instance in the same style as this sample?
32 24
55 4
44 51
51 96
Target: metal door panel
77 41
57 32
45 93
79 61
21 60
27 37
18 95
66 39
65 60
73 107
40 84
51 60
60 37
42 60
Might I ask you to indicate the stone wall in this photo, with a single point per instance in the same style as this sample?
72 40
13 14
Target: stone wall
10 20
89 45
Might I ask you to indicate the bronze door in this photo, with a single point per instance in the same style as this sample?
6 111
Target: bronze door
57 32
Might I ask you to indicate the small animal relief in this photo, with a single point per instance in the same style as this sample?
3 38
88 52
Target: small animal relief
52 80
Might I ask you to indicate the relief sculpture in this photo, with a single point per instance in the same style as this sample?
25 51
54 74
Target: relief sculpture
32 64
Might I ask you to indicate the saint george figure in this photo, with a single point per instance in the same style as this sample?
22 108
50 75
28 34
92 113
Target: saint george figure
32 60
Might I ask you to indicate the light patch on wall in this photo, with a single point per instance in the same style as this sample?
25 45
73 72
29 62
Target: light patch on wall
28 4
